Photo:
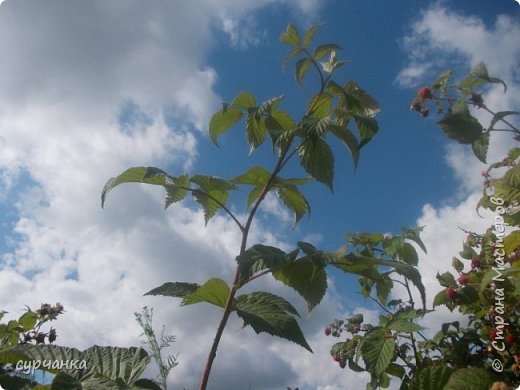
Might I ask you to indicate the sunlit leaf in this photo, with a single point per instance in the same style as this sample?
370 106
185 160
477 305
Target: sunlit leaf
223 120
377 351
290 35
292 197
245 100
318 161
309 34
214 291
480 147
302 66
325 50
174 289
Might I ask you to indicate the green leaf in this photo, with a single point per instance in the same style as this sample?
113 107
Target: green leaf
28 320
147 384
441 298
254 194
253 176
255 131
211 202
309 34
293 53
414 234
457 264
214 291
480 72
116 365
325 50
294 200
368 128
272 314
377 351
307 278
302 67
431 378
291 36
408 272
261 257
446 279
441 84
245 100
318 161
146 175
499 116
223 120
460 127
470 378
174 289
177 190
401 325
319 105
480 147
408 254
212 183
358 101
349 140
383 288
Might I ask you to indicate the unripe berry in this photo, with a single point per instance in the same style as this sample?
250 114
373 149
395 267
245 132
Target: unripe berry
327 331
475 263
342 364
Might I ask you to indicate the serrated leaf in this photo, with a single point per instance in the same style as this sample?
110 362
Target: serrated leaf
253 176
446 279
245 100
383 288
272 314
319 105
324 50
177 190
349 140
457 264
442 82
254 194
367 127
358 101
293 199
430 378
223 120
470 378
146 175
480 147
290 35
307 278
212 183
318 161
255 131
441 298
512 242
261 257
460 127
174 289
210 202
512 176
117 366
377 351
408 254
28 320
302 67
414 234
408 272
214 291
400 325
309 34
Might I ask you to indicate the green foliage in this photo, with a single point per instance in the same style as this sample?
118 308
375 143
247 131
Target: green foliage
157 346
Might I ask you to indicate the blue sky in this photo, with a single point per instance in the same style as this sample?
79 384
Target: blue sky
88 89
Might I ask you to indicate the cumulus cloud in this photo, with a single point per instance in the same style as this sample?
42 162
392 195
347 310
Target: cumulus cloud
86 90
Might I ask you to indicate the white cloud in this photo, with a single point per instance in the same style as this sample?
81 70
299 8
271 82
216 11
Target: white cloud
86 90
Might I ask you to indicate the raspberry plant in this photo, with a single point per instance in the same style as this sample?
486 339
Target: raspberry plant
331 112
482 352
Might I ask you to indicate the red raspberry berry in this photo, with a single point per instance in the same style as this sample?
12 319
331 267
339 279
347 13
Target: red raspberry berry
509 339
425 93
336 358
493 334
342 364
327 331
475 263
463 279
451 293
